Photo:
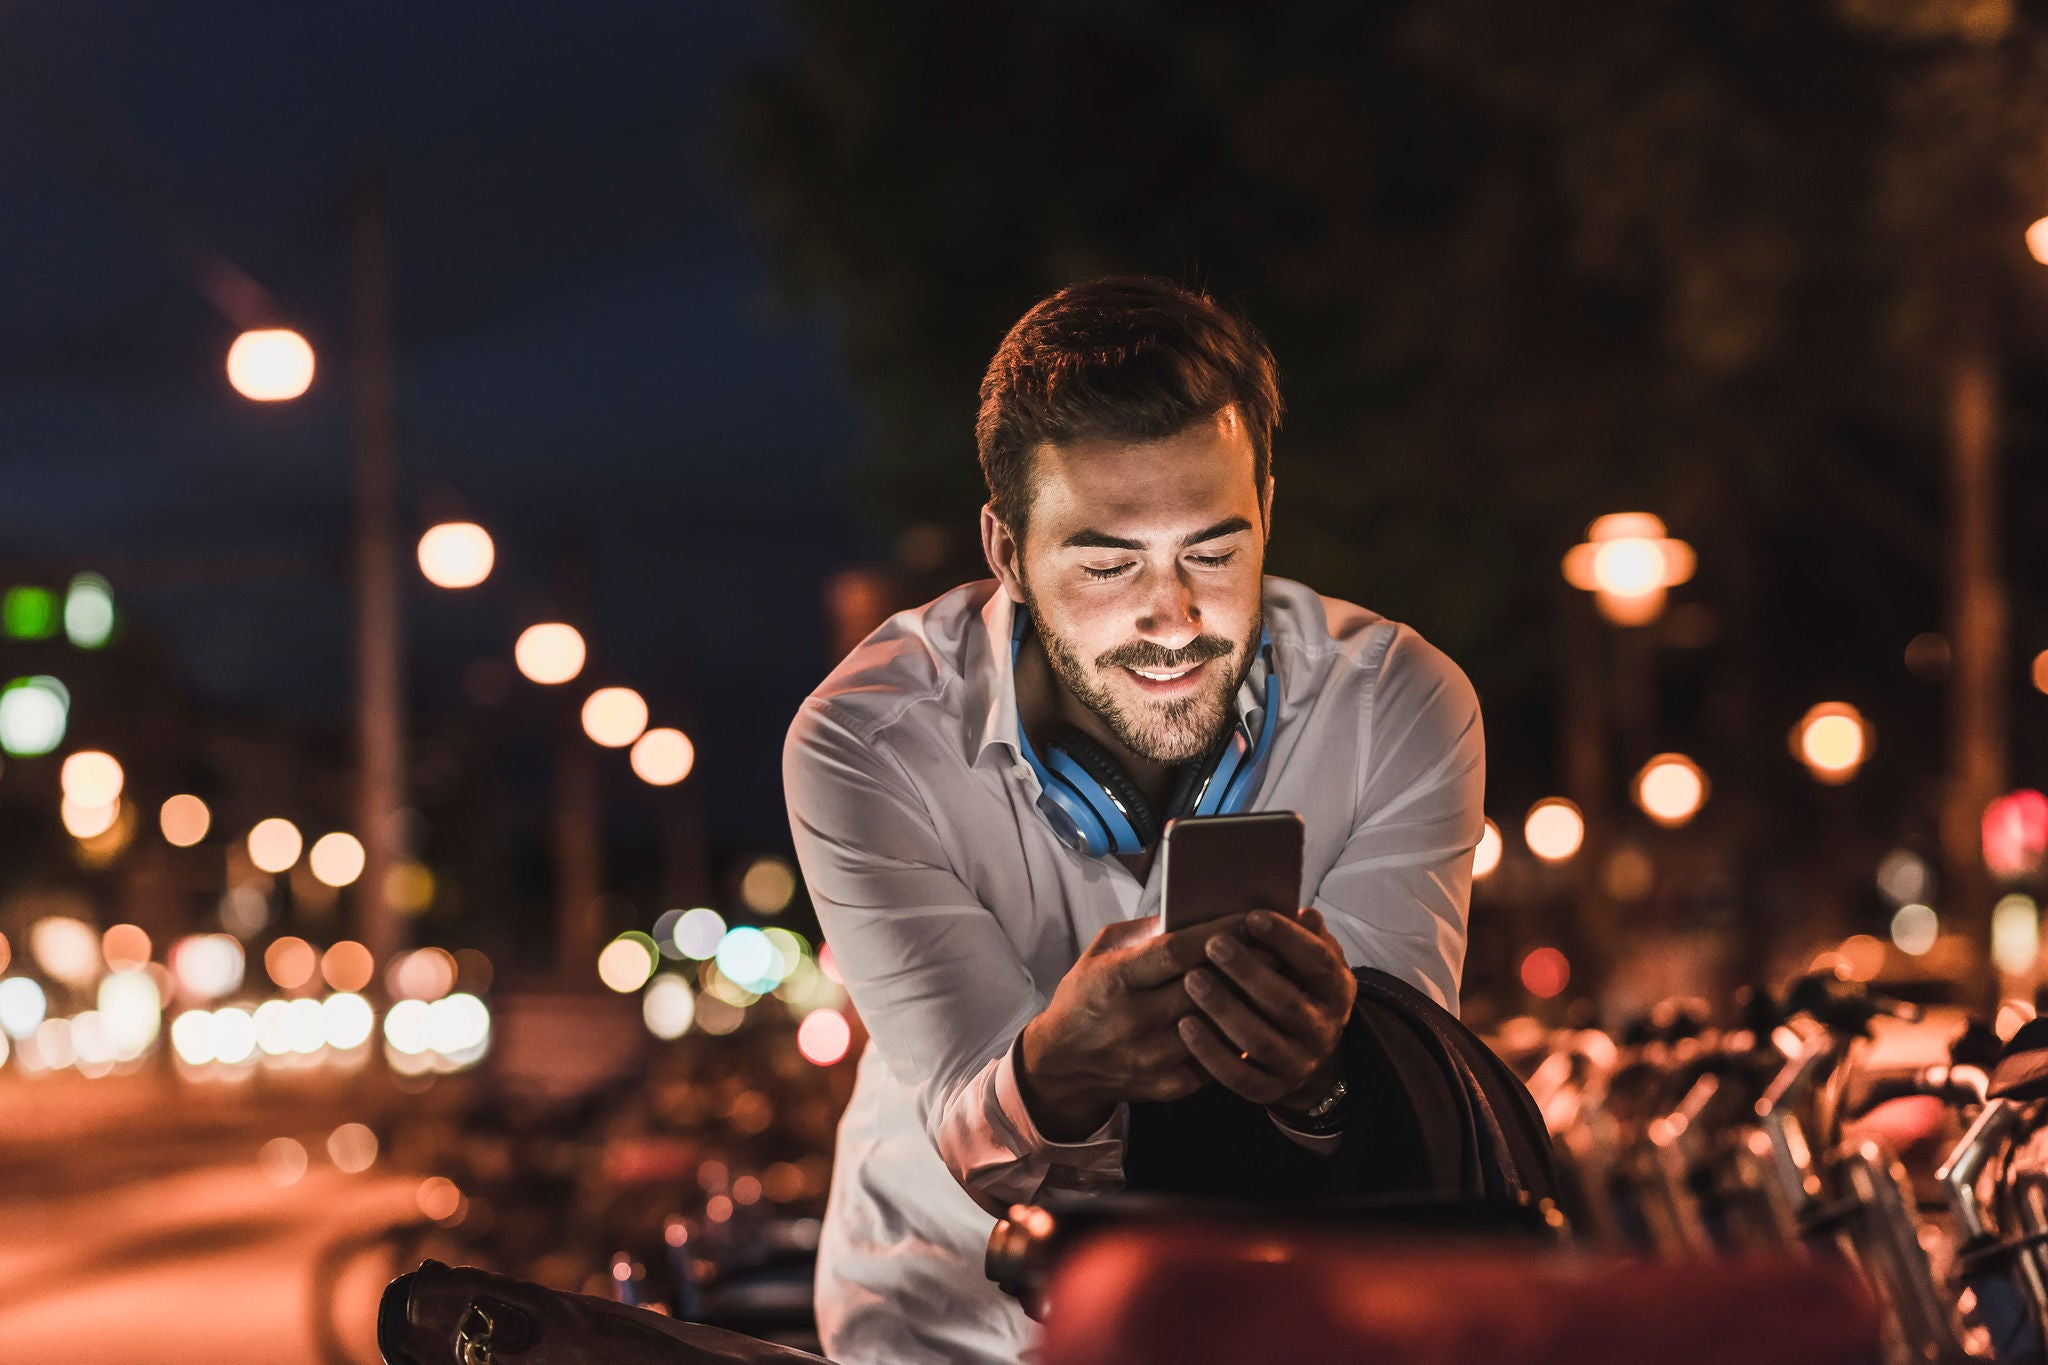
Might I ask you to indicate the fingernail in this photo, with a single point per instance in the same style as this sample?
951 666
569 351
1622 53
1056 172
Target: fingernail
1260 920
1199 982
1222 949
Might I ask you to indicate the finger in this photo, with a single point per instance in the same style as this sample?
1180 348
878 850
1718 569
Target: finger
1170 955
1313 959
1171 1082
1279 998
1247 1030
1221 1061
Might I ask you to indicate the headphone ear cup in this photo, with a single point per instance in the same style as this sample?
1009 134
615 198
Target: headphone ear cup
1095 760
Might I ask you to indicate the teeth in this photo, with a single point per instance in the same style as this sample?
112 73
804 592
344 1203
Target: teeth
1164 677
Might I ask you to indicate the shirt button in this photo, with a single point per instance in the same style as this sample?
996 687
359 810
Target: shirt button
1020 770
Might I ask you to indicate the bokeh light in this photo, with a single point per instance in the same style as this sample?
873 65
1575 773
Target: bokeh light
234 1035
33 713
275 844
2037 240
668 1006
337 859
699 932
768 885
347 966
2015 934
91 778
1915 928
663 757
2039 671
184 820
207 966
423 974
627 961
746 956
1832 739
282 1161
89 611
549 653
270 365
28 613
88 822
1862 957
438 1198
1554 829
406 1026
614 716
131 1011
290 962
458 1026
1486 857
346 1020
67 949
2015 833
22 1006
125 947
823 1037
456 554
1545 973
352 1148
1904 876
1670 788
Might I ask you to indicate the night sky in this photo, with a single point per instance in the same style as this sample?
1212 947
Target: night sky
587 349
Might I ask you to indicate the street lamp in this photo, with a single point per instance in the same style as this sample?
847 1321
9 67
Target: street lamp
270 365
1628 563
1832 739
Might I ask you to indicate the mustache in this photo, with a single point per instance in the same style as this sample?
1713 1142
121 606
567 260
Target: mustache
1199 650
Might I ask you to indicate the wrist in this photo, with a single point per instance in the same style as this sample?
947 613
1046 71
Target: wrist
1061 1109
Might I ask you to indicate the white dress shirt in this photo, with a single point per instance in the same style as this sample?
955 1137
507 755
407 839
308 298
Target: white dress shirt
953 911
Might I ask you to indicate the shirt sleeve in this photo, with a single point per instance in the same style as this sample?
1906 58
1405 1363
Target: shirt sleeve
938 983
1399 895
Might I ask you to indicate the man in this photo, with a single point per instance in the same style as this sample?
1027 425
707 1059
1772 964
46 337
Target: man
1126 433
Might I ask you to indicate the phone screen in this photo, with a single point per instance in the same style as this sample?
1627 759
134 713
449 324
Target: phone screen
1217 865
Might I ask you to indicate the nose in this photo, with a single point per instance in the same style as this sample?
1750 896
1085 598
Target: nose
1171 619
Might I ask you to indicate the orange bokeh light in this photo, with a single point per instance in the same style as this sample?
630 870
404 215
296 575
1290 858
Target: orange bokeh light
270 365
347 966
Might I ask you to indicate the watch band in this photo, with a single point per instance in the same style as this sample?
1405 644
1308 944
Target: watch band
1326 1115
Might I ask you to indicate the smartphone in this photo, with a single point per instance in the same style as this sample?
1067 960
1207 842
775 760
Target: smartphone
1211 866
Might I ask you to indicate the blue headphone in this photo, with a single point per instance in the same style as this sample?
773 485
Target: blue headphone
1095 808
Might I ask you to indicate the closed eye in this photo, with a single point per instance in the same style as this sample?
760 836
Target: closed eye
1119 570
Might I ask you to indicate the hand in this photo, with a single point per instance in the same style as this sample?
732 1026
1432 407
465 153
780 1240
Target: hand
1274 1039
1107 1036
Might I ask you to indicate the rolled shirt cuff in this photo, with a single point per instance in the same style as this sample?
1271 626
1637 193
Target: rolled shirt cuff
1322 1144
1001 1158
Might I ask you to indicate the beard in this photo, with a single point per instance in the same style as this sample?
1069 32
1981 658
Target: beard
1172 731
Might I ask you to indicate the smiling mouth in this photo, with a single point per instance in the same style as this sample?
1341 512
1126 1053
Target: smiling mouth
1152 679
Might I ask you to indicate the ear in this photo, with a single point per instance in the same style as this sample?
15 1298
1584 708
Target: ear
1005 556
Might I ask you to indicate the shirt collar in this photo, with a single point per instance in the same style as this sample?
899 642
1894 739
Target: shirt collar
994 683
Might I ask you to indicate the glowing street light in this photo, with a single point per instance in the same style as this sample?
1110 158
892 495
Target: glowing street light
549 653
1671 789
2037 240
1628 563
1554 829
337 859
275 844
91 778
614 716
663 757
185 820
456 554
1486 857
270 365
1832 739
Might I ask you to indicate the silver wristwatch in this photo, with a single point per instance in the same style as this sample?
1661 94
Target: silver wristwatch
1324 1116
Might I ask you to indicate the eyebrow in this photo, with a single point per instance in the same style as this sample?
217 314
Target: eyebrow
1098 540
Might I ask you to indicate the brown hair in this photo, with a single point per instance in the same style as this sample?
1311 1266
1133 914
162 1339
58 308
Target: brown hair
1129 357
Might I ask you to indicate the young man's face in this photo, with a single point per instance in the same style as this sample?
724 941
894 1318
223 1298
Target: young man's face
1141 569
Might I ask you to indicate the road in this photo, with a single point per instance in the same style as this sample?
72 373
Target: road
137 1223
